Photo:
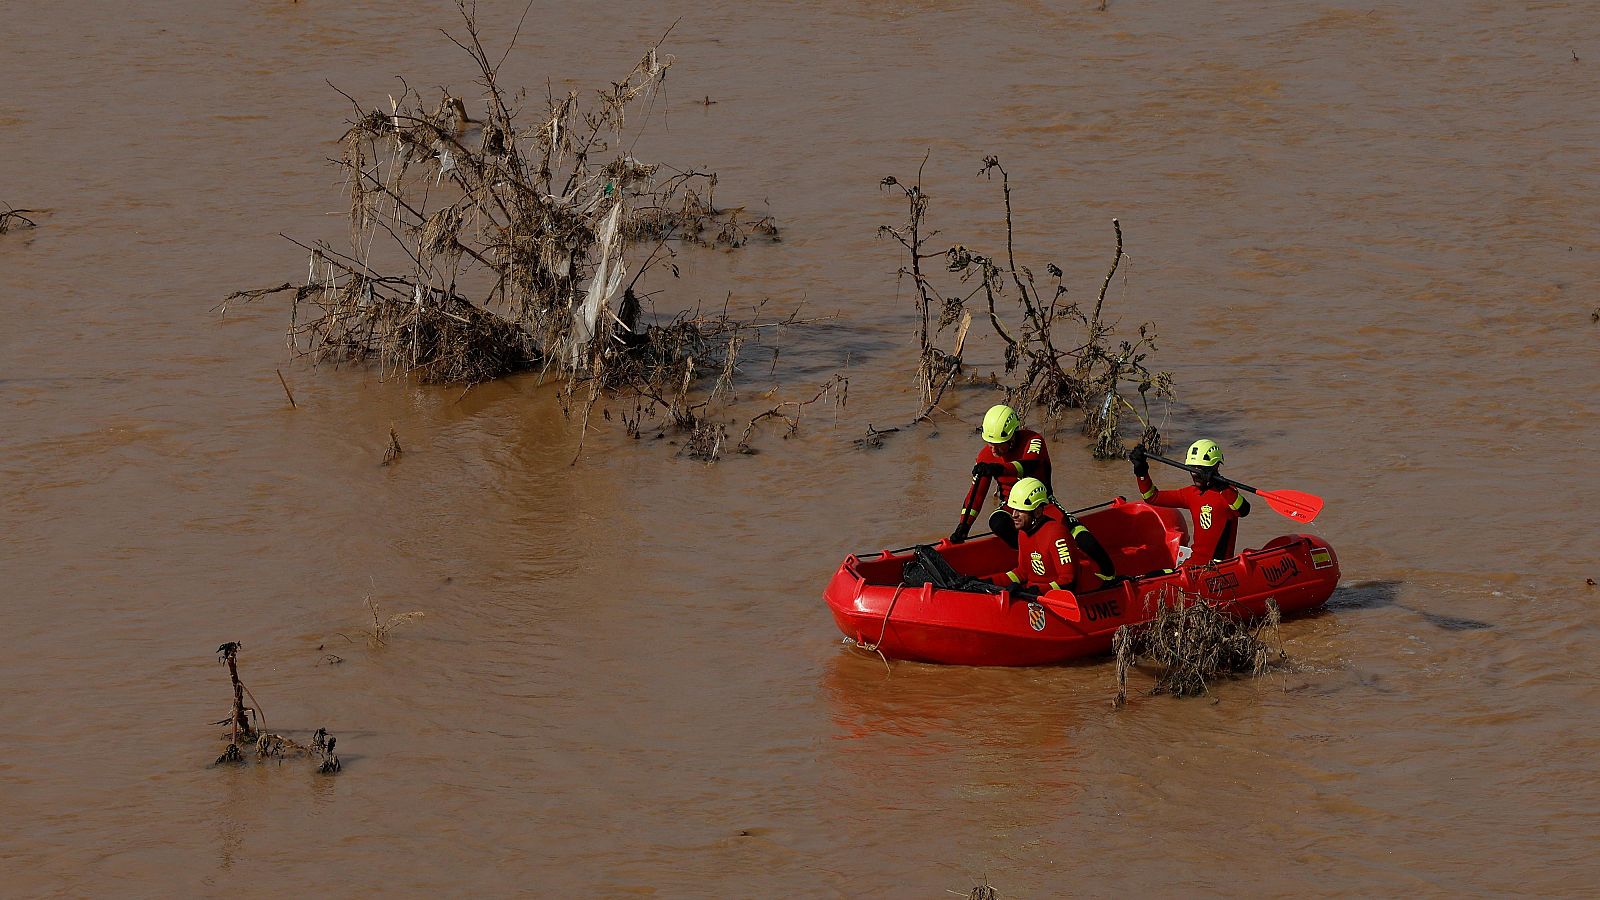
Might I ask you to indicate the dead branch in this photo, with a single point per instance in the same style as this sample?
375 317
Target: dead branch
789 411
11 217
240 727
286 392
1094 376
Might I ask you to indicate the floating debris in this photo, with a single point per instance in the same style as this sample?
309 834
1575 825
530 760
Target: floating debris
1194 640
393 451
268 745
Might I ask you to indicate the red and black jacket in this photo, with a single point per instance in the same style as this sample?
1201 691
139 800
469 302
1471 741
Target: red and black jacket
1057 553
1024 457
1215 512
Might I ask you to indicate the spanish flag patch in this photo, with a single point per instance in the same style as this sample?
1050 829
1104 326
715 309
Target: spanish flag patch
1321 558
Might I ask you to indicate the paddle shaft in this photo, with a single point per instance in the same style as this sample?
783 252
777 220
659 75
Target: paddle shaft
1222 478
986 533
1297 505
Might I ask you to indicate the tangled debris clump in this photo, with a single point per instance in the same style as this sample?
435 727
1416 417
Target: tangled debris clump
243 731
482 245
278 747
1193 640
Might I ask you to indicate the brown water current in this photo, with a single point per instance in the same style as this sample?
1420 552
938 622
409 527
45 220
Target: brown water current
1367 234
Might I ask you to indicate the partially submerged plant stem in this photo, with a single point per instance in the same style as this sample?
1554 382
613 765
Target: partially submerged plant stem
239 720
381 627
11 217
393 451
242 731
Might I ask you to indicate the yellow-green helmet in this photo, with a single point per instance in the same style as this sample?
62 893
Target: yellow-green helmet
1028 494
1000 423
1204 452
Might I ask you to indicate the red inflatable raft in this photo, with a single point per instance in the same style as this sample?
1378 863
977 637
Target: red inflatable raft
929 624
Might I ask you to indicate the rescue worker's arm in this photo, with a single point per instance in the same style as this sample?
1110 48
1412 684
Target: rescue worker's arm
1238 503
1086 541
1147 488
970 507
1148 492
1006 579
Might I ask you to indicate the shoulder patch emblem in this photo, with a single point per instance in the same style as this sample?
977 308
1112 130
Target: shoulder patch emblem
1036 563
1205 516
1063 551
1036 445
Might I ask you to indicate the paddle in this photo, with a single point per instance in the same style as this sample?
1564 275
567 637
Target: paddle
1070 612
870 553
1297 505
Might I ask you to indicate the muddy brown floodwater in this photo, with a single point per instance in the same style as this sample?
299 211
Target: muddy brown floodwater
1368 235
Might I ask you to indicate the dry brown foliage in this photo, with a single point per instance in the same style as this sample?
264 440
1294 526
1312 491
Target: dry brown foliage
1194 641
1086 369
378 634
502 234
983 891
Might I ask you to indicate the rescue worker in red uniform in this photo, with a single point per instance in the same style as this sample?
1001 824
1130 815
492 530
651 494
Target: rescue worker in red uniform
1009 452
1054 550
1215 508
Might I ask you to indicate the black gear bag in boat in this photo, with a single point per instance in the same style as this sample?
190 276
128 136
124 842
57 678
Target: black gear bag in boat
926 566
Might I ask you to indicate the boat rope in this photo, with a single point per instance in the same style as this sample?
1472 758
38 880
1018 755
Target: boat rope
873 647
893 599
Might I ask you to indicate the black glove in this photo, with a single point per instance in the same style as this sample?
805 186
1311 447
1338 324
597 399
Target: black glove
1141 467
991 470
1022 591
960 534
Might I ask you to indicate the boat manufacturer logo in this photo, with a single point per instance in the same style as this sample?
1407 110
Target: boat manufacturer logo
1035 617
1279 572
1205 516
1036 563
1227 581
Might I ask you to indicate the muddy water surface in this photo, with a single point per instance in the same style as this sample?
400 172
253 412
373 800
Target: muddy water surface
1367 235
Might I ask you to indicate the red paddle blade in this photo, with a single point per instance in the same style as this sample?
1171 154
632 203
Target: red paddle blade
1297 505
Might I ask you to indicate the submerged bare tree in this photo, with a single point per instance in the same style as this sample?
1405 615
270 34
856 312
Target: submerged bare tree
481 245
1081 366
